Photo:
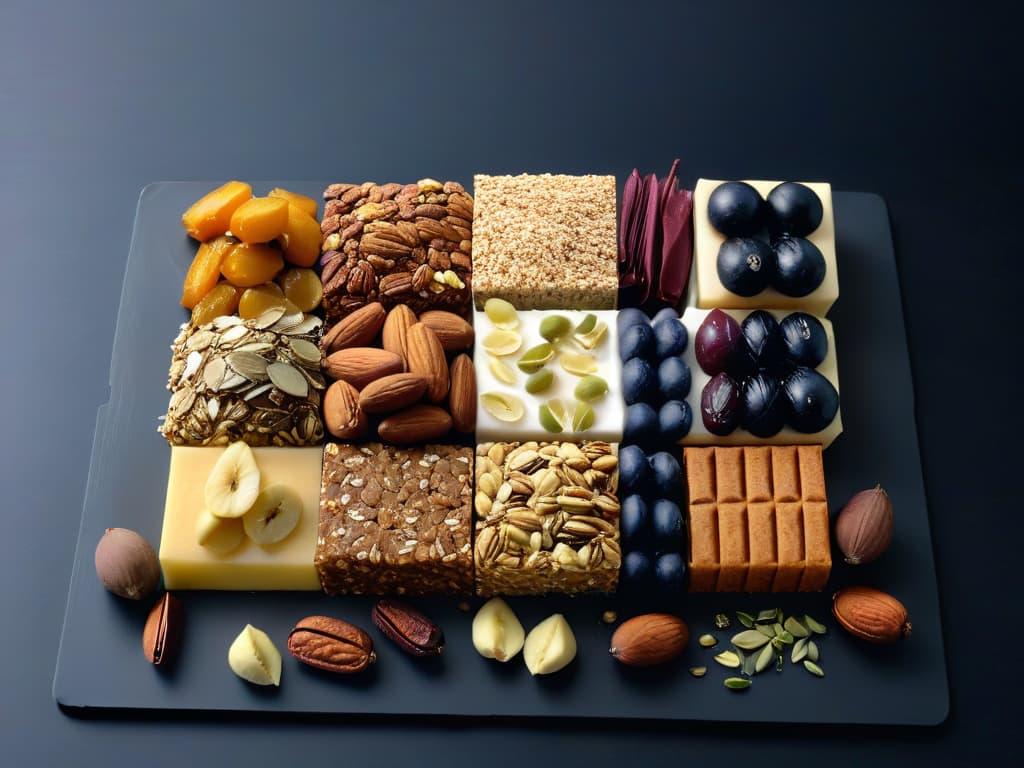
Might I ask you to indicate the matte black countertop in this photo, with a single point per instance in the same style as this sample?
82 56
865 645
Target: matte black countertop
914 101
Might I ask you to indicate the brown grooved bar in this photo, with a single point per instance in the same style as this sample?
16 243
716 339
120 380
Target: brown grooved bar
785 473
703 533
700 474
757 462
763 553
734 549
816 545
812 474
729 475
789 524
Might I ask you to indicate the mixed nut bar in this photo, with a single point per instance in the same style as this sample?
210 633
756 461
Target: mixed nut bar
255 380
547 518
546 242
758 519
397 244
395 520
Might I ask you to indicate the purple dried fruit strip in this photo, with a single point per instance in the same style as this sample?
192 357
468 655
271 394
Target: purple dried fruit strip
651 243
629 277
677 240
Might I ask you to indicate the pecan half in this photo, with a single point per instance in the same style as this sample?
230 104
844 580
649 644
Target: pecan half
412 631
161 637
331 644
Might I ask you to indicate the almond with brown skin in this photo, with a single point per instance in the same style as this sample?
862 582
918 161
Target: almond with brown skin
396 329
361 365
418 424
412 631
331 644
454 333
161 637
355 330
462 394
871 614
343 416
649 639
425 356
864 526
392 393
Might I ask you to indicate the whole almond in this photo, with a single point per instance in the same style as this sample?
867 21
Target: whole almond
425 356
392 393
161 636
454 333
126 563
462 394
396 328
871 614
361 365
417 424
864 526
411 630
648 639
331 644
355 330
343 416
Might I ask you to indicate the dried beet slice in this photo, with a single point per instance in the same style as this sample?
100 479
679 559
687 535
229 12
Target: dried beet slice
629 257
677 240
651 237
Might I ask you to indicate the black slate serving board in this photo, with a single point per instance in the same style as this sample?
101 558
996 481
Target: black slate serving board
100 662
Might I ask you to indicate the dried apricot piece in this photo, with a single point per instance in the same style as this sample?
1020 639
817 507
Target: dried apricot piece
222 300
301 238
259 219
257 300
204 272
250 264
305 204
210 215
302 286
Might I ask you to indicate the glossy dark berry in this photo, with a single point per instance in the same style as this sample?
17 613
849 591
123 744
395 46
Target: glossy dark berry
804 339
637 341
813 401
717 342
799 266
629 317
634 520
637 570
746 266
674 421
670 572
720 405
641 424
670 337
638 381
764 405
795 209
665 473
668 313
674 378
762 339
736 209
633 468
666 525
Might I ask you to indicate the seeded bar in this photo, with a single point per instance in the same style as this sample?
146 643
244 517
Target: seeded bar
395 520
546 242
547 518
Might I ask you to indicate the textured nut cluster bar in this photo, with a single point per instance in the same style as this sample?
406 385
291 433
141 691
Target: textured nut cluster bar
398 244
758 519
546 242
547 518
395 520
255 380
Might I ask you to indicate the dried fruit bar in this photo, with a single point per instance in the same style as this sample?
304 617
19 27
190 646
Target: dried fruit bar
395 520
255 380
547 518
396 243
758 519
546 242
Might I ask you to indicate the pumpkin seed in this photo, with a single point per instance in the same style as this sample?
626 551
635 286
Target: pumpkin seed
769 616
707 641
745 619
591 388
540 381
777 644
536 358
816 627
796 627
785 637
582 417
588 339
749 663
813 668
728 659
799 652
501 342
553 416
764 659
578 363
698 671
502 371
721 621
767 630
737 683
749 640
586 324
554 327
812 650
502 313
503 406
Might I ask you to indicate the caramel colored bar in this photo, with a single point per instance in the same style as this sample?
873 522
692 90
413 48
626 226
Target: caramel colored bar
700 474
703 566
785 473
763 555
729 474
758 466
789 526
812 473
734 551
817 546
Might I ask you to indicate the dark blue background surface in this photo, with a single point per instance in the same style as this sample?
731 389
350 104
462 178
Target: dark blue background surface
912 102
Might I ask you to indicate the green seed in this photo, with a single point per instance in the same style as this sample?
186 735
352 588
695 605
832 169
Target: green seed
540 381
554 327
812 650
767 630
591 388
799 652
770 616
698 671
785 637
813 668
536 358
501 313
745 619
764 659
590 338
815 627
795 627
737 683
721 621
586 324
548 420
707 641
749 640
777 644
502 406
728 659
582 417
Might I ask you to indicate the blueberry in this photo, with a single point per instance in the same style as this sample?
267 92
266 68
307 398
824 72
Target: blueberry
745 266
664 314
637 571
667 525
633 468
629 317
633 520
674 421
665 473
796 209
638 381
670 338
799 266
674 378
670 571
641 424
720 405
813 401
637 341
804 338
736 209
764 405
763 340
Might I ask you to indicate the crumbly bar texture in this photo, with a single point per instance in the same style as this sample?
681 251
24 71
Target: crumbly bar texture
397 244
546 242
255 380
757 519
395 520
547 518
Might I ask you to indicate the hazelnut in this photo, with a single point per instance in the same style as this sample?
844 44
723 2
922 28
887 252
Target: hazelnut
126 564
